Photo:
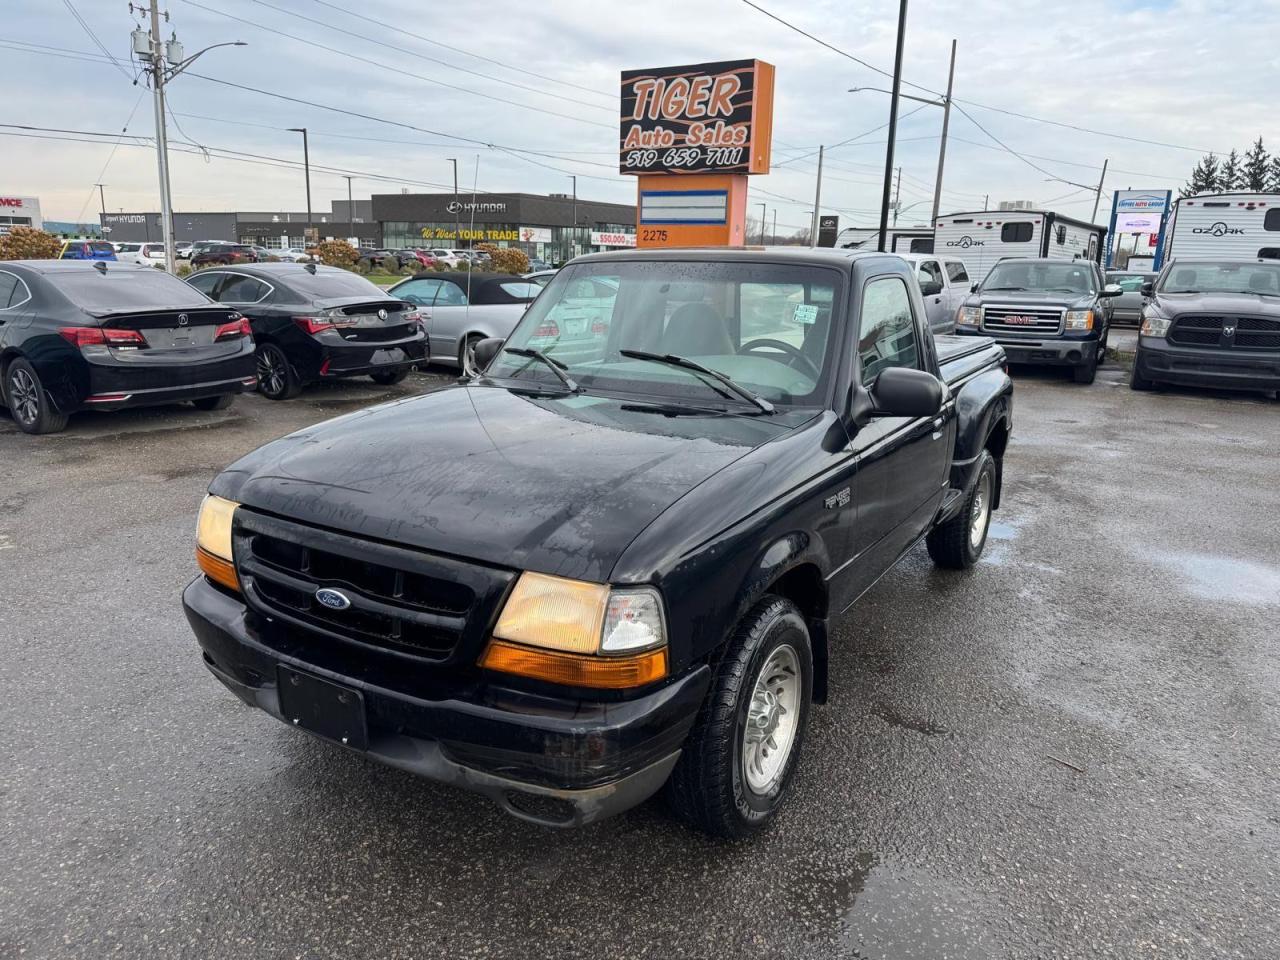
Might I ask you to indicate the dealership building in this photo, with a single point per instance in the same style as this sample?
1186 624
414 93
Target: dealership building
18 211
554 227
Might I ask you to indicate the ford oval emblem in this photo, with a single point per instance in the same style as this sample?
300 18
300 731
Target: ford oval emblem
333 599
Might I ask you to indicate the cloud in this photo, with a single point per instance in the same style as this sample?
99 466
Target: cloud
1179 71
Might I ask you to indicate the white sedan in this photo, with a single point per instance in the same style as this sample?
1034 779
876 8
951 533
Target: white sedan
292 255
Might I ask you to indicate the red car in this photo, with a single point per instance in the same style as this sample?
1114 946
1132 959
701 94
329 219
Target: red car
224 254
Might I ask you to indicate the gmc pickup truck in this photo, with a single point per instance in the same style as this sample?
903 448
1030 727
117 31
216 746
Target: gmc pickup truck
571 581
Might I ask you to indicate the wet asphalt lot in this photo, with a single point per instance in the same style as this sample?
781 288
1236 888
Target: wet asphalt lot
1125 621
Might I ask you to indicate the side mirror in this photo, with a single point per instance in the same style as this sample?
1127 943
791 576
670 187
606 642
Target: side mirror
1148 289
1112 290
973 287
931 288
486 350
898 392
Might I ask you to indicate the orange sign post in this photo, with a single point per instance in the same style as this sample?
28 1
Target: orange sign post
692 134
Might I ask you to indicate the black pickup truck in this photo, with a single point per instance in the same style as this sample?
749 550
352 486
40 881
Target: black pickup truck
1044 310
607 561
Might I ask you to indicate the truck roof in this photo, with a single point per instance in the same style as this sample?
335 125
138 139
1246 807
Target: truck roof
822 256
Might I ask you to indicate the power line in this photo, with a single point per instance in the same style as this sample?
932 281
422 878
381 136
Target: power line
114 147
848 140
96 42
382 66
974 103
421 56
399 28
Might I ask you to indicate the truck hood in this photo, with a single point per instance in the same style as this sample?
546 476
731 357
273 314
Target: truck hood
559 485
1027 298
1173 304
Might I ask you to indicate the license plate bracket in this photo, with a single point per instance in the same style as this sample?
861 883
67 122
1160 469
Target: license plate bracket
332 710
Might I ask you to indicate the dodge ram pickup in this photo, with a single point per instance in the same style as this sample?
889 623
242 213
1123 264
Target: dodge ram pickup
605 563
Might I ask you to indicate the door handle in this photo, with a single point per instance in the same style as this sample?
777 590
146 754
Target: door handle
937 428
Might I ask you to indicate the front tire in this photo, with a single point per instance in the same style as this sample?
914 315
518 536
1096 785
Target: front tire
277 380
1136 380
467 353
737 764
27 401
958 543
1087 372
387 377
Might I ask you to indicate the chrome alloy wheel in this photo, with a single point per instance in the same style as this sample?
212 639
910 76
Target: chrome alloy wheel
772 720
24 396
981 512
270 371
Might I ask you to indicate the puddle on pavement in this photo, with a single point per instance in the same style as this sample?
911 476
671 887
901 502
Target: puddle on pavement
1002 531
896 719
879 911
1223 578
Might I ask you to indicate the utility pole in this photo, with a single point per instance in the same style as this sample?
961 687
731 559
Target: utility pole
351 213
306 166
1097 197
573 234
817 202
897 197
102 197
457 209
775 224
148 46
893 124
942 147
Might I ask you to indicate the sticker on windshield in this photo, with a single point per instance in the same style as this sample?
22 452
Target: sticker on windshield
806 313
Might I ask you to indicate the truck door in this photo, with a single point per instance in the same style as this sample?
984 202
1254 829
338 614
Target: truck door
902 462
933 290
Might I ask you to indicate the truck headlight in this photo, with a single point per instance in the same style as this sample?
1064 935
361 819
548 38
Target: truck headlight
968 316
213 541
1079 320
579 633
1154 325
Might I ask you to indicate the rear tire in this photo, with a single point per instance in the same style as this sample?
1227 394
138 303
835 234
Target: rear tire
958 543
387 377
220 402
1136 380
277 380
27 401
737 764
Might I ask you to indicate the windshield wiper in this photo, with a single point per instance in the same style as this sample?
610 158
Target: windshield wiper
555 366
685 363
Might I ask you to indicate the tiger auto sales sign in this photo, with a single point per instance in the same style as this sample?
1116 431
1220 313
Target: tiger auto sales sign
698 118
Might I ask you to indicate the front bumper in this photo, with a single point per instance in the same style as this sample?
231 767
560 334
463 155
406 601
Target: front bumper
1159 360
557 761
1055 351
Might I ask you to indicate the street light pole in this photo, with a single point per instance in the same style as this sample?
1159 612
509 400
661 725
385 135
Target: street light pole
573 232
817 201
306 166
893 124
897 197
942 147
457 210
763 214
775 224
102 198
1097 197
351 214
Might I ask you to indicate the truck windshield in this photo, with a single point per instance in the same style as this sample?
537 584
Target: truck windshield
765 326
1067 276
1257 278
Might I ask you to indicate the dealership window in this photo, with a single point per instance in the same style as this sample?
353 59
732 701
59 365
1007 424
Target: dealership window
273 243
1272 220
17 221
1020 232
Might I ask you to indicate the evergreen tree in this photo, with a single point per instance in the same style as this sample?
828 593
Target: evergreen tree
1273 175
1204 178
1257 166
1232 175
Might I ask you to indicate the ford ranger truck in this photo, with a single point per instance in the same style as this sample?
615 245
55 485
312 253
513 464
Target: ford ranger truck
607 563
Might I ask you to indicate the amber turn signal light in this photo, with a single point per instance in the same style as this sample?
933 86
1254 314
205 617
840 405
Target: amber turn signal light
575 670
218 570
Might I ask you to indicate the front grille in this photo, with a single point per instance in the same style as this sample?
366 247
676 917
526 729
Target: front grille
1029 320
1250 333
403 601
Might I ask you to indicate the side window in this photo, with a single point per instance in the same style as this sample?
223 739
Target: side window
206 282
1016 232
68 253
241 289
450 295
421 292
956 272
929 272
1272 220
8 287
922 245
886 331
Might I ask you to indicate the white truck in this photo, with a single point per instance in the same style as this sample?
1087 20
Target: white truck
1224 226
944 285
985 237
904 240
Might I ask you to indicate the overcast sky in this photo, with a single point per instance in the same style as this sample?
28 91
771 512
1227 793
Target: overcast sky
1196 73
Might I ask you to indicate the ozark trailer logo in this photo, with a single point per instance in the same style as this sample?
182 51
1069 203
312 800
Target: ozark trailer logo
1219 229
966 242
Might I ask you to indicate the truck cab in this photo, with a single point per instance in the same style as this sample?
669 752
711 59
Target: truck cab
944 285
